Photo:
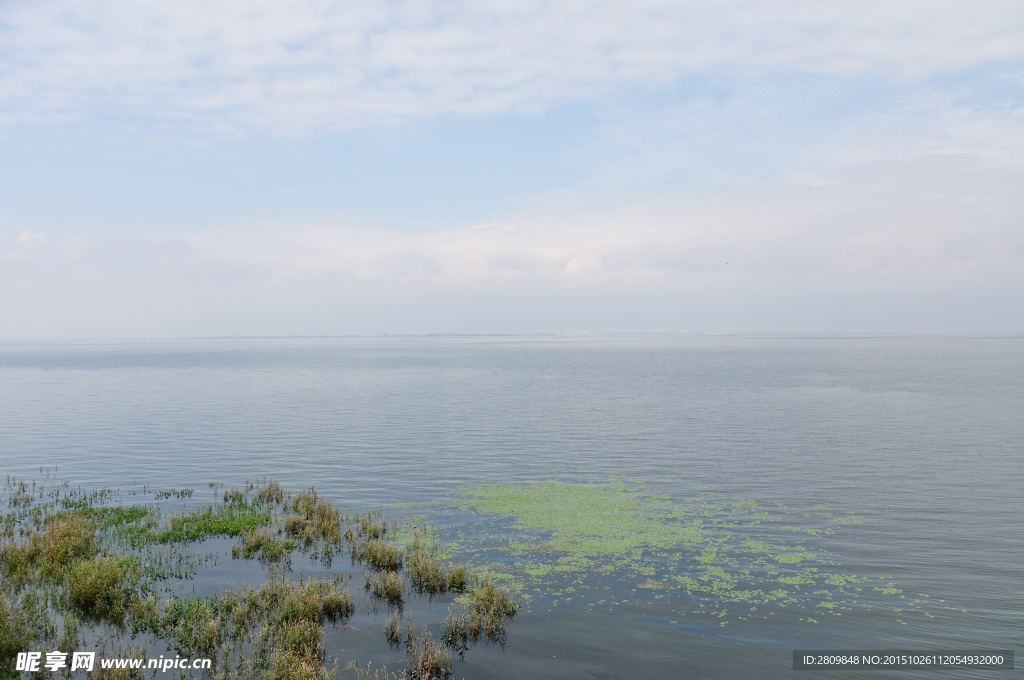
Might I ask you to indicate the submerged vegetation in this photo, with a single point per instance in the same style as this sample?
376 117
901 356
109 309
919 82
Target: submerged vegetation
719 557
81 569
76 567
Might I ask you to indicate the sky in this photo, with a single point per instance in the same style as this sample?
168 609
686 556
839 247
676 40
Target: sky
310 167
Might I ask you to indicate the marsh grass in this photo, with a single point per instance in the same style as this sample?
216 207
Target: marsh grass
321 520
103 587
280 622
430 575
386 585
16 635
49 554
379 555
382 673
427 659
485 610
76 566
231 519
393 629
372 525
263 545
269 493
458 578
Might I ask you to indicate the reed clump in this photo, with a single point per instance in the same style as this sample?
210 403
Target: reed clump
296 526
382 673
365 535
371 525
430 575
460 628
380 555
270 493
486 596
316 600
280 623
48 554
427 659
386 585
264 545
300 652
295 625
322 521
15 635
194 624
494 605
485 610
427 573
18 561
66 541
102 587
393 629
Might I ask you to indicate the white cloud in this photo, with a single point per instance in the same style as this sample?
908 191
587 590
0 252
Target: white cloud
945 230
32 246
295 65
879 226
28 239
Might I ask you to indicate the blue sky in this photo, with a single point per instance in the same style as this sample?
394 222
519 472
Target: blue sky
332 168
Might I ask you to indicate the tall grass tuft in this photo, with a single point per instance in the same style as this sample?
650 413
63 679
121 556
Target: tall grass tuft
382 673
270 493
380 555
317 519
102 587
16 635
486 611
427 659
393 630
427 573
386 585
264 545
66 541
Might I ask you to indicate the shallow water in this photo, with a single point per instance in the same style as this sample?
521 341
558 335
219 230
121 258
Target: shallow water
921 438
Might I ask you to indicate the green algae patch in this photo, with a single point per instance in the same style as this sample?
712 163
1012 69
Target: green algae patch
584 520
706 548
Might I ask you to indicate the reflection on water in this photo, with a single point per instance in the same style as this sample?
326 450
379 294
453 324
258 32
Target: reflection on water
875 461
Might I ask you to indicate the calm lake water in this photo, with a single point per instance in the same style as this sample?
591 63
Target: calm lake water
920 439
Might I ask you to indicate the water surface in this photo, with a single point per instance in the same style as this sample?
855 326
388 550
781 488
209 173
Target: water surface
922 438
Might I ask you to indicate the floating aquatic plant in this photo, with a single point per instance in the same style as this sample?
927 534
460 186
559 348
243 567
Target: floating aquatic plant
711 548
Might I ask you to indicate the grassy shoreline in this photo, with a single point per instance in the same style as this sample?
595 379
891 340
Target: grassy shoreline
74 567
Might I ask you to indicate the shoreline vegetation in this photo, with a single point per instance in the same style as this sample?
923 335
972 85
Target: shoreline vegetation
78 571
91 569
